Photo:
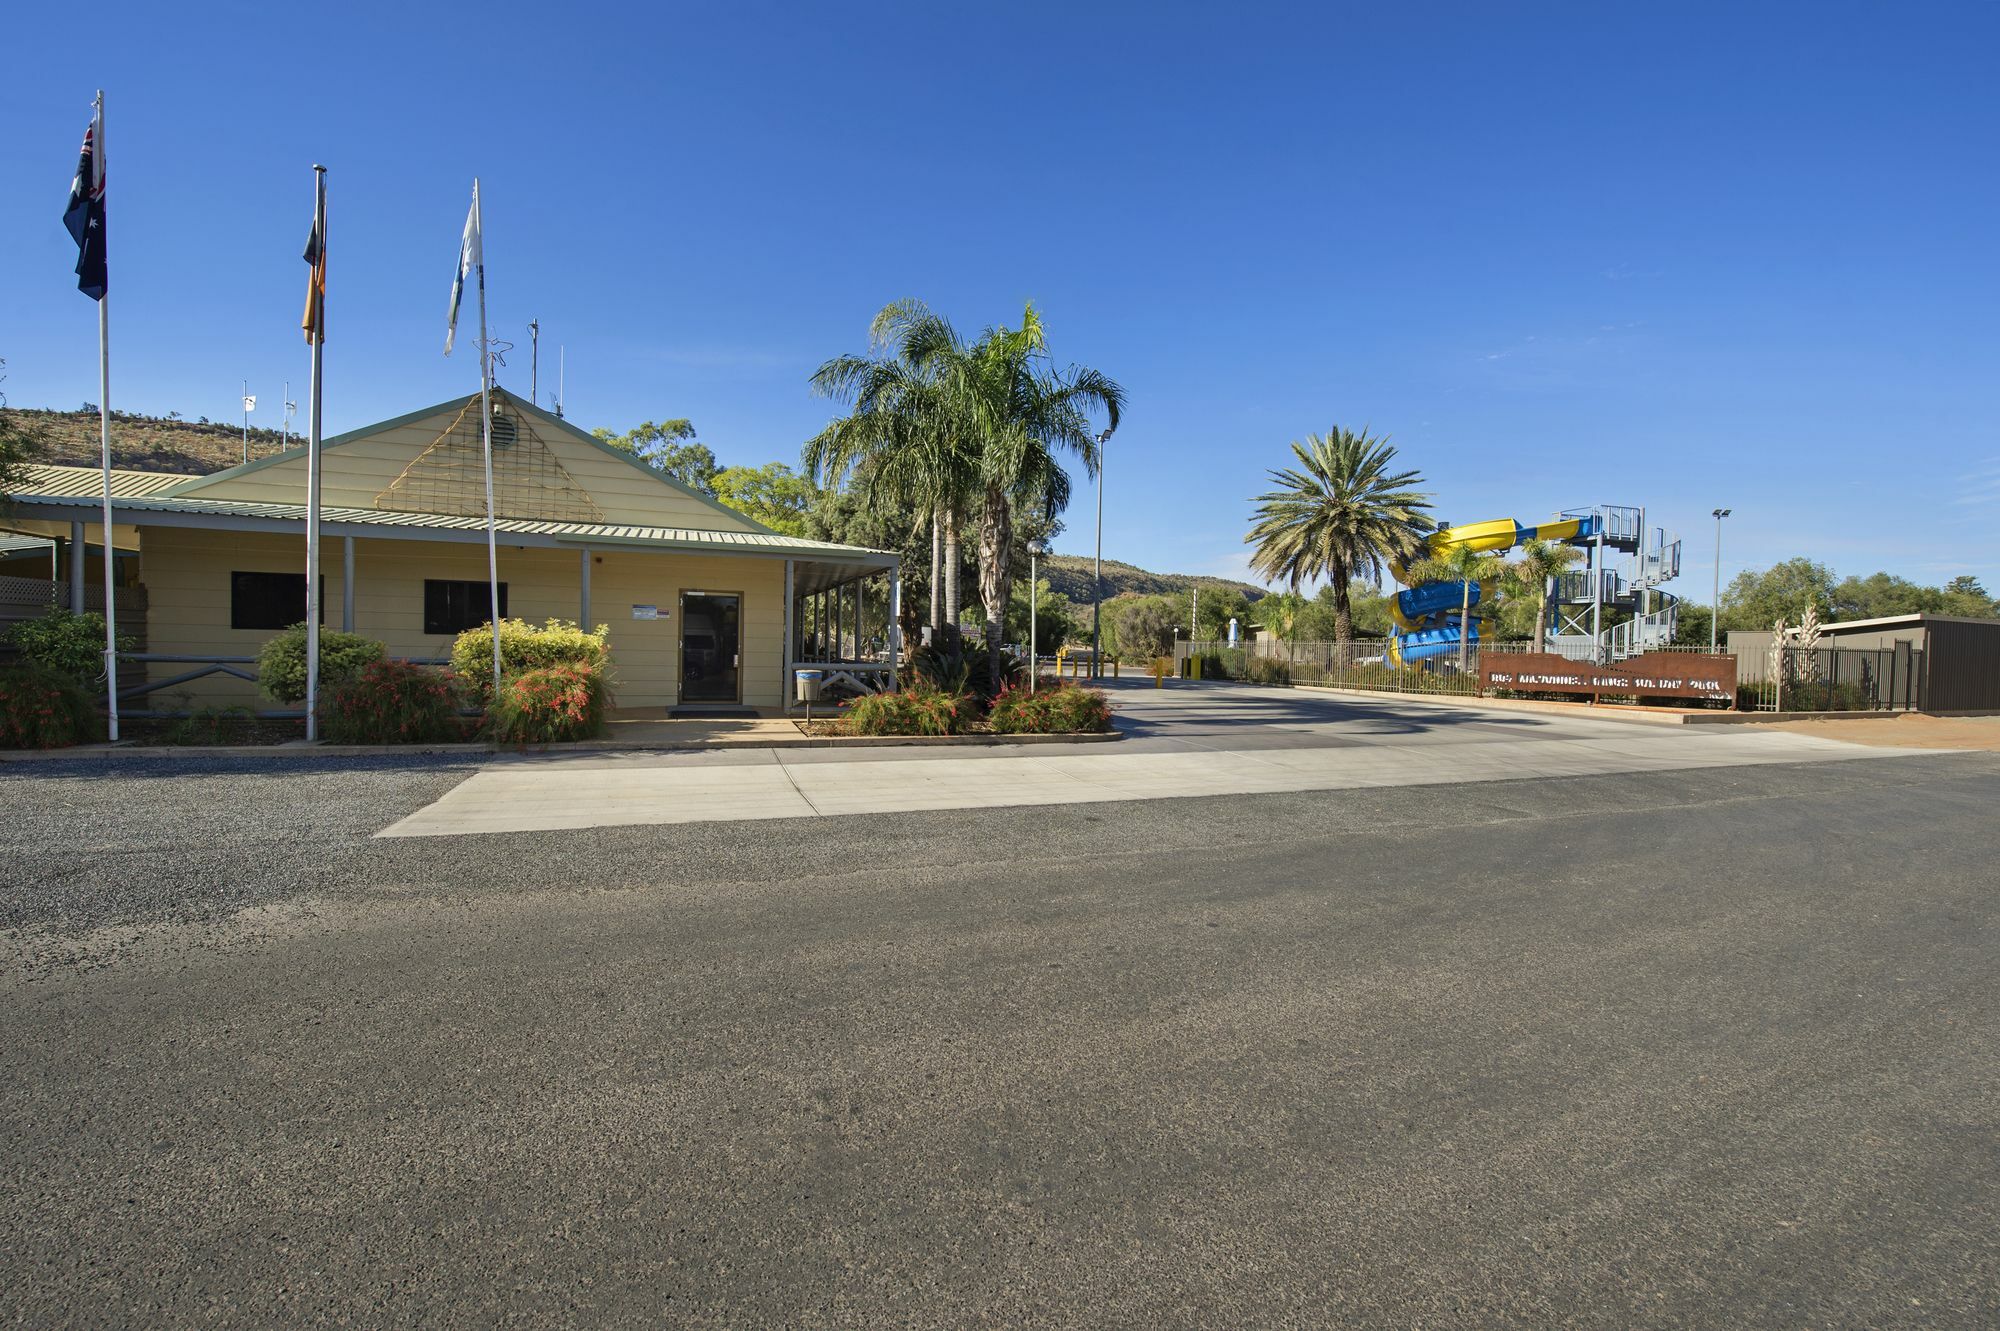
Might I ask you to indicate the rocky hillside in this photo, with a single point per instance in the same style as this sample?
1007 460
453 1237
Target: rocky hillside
144 443
1069 575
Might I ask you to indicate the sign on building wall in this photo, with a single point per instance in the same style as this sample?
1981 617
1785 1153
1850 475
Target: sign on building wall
1654 675
645 612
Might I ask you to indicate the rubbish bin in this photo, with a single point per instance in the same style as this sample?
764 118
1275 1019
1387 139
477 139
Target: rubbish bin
809 683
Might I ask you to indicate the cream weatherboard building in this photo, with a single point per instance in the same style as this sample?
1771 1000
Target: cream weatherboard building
704 606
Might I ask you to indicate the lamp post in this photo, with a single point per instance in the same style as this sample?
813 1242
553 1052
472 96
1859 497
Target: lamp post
1097 569
1036 549
1715 602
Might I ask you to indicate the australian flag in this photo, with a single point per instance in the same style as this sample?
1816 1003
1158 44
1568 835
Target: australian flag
85 215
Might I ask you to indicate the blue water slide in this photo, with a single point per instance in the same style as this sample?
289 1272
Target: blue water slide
1429 643
1421 602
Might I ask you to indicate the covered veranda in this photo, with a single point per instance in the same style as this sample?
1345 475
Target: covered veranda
844 620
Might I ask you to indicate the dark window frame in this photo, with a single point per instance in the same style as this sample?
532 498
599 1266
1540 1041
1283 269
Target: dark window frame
260 612
453 605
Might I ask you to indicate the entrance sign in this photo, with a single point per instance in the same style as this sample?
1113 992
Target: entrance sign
645 612
1652 675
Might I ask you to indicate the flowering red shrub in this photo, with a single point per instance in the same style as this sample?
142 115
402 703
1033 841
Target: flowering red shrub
549 705
45 709
392 702
1055 708
919 710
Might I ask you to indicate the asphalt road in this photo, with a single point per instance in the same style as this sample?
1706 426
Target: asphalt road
1707 1049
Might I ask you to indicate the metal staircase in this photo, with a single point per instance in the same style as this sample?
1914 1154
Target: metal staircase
1582 599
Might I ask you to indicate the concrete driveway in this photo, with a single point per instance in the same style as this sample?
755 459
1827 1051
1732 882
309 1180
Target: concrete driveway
1184 741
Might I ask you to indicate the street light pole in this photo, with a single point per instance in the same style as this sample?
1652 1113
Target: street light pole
1036 549
1097 570
1715 602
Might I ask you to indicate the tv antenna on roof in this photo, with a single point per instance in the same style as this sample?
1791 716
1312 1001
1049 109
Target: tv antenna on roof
535 361
562 368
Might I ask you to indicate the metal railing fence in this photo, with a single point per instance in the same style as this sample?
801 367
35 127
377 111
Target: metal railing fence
1363 665
1832 679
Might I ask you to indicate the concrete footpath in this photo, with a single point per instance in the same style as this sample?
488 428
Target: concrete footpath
1180 743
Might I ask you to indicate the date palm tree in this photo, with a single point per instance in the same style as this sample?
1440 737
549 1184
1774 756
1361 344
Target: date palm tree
1535 566
909 439
1343 512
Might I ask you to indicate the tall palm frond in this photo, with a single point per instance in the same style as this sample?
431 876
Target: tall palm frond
1342 513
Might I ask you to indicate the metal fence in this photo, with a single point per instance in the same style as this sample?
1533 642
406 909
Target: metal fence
1361 665
1832 679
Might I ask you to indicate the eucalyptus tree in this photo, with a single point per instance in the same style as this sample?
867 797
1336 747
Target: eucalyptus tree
1343 512
909 435
1029 415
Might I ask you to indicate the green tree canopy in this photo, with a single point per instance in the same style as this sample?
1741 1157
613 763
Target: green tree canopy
1754 600
1056 618
772 494
19 444
670 448
1214 608
1144 624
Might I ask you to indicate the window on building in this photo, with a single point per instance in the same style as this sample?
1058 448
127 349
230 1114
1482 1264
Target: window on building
270 600
452 606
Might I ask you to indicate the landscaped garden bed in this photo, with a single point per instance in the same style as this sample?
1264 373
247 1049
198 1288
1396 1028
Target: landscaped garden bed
1051 707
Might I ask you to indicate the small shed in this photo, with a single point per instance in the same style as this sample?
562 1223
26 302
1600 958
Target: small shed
1957 660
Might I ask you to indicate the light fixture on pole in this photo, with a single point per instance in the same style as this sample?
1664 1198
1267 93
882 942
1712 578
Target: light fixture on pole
1097 569
1036 549
249 405
291 409
1715 603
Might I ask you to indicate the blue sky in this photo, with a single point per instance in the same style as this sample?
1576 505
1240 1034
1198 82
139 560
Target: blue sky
1670 255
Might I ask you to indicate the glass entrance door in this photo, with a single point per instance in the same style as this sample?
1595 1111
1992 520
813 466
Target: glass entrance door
711 647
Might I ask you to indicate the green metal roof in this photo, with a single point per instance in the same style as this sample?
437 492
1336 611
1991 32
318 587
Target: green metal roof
194 484
137 493
88 482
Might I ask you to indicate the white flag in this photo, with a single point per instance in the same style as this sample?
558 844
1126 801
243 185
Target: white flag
469 257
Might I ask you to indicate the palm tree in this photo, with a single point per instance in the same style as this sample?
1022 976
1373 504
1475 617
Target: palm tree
1028 414
1281 612
1539 563
1342 513
908 440
1465 566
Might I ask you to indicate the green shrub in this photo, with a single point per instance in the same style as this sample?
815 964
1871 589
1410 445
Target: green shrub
392 702
281 665
66 643
549 705
1058 708
1820 696
525 648
45 709
956 663
918 710
211 725
1268 670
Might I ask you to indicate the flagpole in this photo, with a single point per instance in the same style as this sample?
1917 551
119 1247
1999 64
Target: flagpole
486 427
312 469
104 439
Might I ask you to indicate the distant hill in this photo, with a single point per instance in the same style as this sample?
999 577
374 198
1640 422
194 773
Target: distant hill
1069 575
145 443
